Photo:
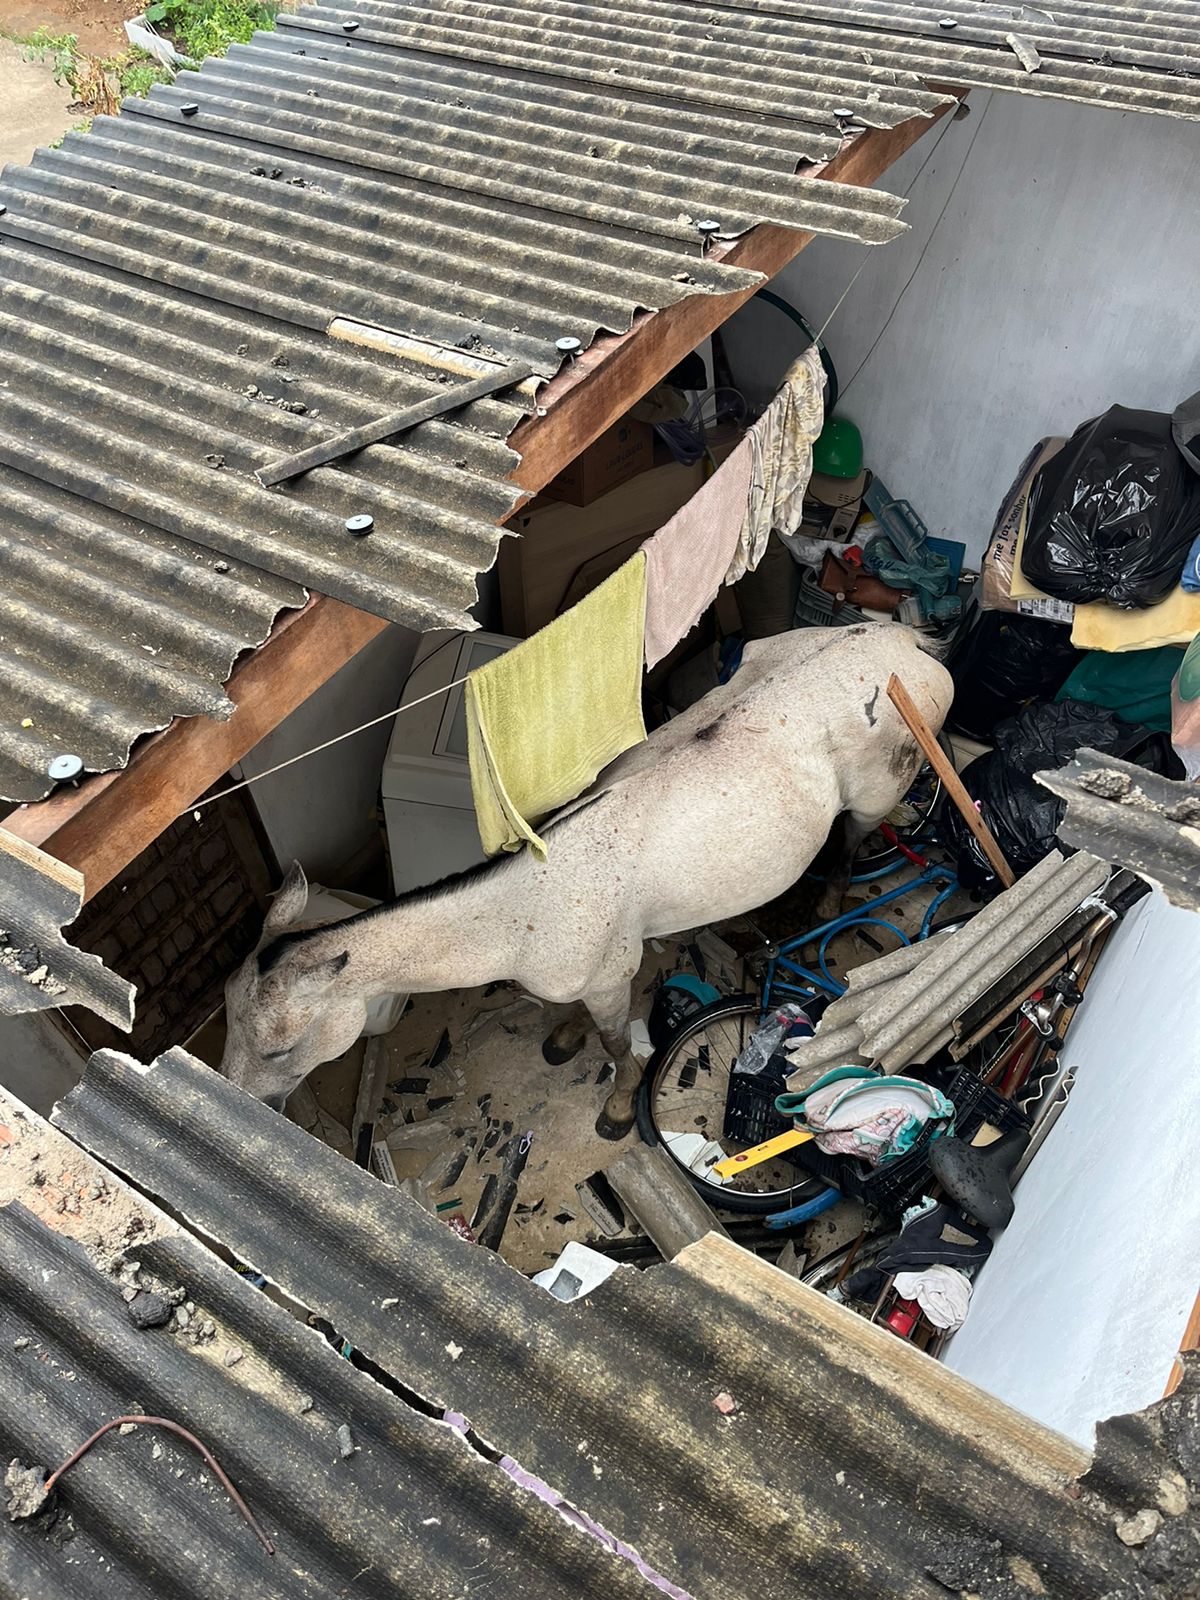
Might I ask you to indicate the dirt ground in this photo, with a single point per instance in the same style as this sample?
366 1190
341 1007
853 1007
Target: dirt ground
96 23
466 1079
33 109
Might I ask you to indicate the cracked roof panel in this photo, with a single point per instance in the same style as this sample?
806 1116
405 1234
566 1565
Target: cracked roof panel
402 1505
481 179
39 969
611 1399
1144 821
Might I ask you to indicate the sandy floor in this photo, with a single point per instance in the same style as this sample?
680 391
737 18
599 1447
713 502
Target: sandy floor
466 1078
33 109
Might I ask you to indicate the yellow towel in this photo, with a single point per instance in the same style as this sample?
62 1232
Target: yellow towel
543 719
1175 620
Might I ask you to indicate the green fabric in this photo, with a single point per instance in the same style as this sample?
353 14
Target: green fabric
545 717
1135 685
838 451
1189 672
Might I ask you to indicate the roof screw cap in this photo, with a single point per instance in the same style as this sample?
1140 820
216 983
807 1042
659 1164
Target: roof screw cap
360 526
189 110
843 113
568 346
3 210
349 27
708 229
947 22
65 768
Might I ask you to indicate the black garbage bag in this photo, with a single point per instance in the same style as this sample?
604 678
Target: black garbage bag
1112 516
1024 817
999 662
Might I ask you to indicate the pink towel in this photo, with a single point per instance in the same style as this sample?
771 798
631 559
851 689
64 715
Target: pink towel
688 558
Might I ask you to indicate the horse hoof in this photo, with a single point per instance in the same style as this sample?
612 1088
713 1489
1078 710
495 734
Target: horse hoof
557 1054
608 1128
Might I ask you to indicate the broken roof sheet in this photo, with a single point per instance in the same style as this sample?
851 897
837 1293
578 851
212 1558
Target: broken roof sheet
413 1508
1149 823
38 968
610 1399
480 179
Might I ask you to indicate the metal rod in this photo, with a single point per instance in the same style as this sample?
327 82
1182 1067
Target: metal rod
449 398
210 1461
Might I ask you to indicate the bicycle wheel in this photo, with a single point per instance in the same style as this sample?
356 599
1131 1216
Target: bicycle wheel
681 1105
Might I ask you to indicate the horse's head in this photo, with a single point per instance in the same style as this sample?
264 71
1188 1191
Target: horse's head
285 1012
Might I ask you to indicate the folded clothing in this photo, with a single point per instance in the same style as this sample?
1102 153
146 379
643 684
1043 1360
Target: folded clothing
855 1111
940 1237
545 717
1135 686
943 1294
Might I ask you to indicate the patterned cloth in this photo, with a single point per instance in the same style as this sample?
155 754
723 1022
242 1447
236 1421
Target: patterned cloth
781 441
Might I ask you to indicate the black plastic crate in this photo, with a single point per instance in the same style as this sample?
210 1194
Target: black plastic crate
750 1114
898 1183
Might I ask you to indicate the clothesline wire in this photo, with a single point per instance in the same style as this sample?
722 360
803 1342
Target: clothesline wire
869 250
924 248
411 705
328 744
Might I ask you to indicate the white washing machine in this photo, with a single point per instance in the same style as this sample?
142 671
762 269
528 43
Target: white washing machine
426 783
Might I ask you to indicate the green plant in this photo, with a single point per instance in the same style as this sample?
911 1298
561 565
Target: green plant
76 127
60 49
208 27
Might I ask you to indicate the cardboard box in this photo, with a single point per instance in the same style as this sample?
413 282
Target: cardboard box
563 551
620 453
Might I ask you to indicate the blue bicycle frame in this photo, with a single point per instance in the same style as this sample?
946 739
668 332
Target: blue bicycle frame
782 971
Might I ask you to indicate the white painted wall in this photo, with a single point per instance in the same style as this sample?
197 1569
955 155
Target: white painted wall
320 812
36 1062
1080 1309
1052 260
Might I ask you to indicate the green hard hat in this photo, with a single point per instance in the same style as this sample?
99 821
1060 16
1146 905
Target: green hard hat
838 451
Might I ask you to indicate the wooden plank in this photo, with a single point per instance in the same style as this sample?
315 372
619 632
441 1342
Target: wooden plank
103 824
951 781
387 427
99 827
1189 1342
651 1187
606 379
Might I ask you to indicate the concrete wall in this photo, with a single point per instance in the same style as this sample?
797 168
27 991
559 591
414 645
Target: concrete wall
321 811
36 1062
1079 1311
1049 273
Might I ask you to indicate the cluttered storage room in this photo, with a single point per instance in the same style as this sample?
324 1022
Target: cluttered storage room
600 919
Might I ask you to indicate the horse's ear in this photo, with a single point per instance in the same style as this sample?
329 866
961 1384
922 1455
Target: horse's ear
288 905
310 982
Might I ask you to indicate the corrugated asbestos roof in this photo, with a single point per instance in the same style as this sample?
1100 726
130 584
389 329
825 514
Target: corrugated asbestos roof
850 1468
899 1009
1150 823
38 968
166 283
484 176
414 1511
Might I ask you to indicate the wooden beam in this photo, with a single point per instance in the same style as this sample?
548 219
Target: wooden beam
951 782
618 369
102 825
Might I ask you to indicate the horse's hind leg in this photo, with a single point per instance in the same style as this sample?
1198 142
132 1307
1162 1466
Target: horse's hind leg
568 1038
852 828
609 1008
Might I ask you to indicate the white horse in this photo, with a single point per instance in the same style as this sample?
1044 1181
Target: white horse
719 811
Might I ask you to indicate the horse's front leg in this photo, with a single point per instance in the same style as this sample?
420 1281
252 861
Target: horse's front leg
609 1008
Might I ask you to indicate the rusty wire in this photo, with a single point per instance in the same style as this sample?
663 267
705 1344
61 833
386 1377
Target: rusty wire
174 1427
